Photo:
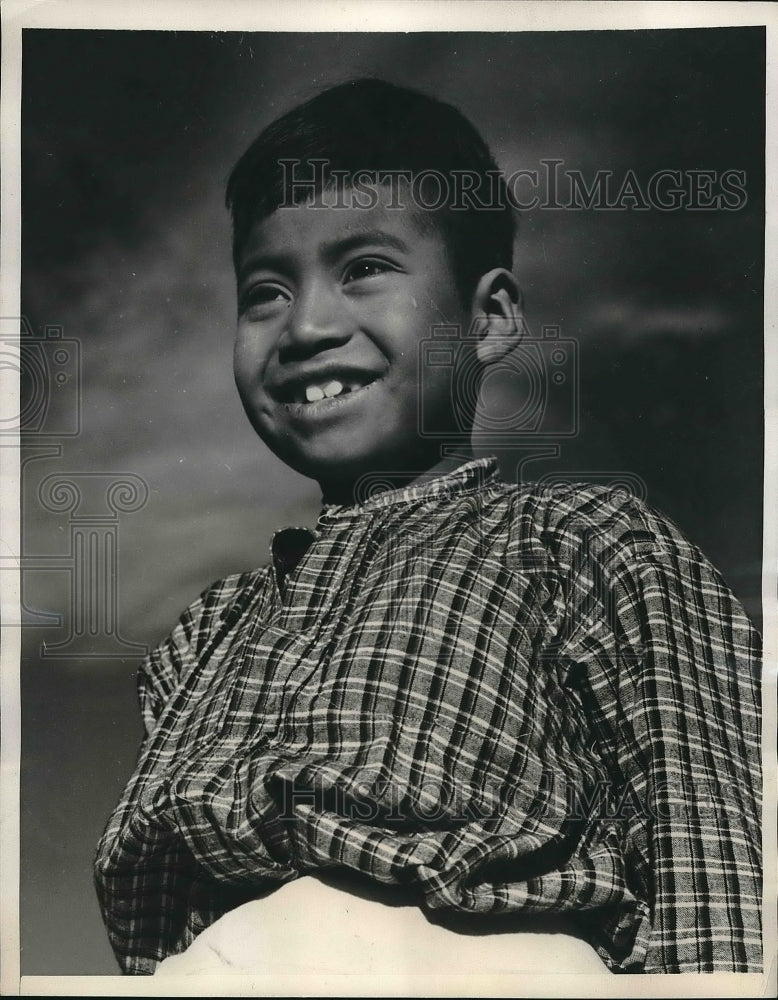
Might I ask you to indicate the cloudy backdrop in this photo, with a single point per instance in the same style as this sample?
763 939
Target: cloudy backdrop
128 138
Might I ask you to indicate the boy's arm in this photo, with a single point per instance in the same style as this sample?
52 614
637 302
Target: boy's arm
159 673
195 636
671 683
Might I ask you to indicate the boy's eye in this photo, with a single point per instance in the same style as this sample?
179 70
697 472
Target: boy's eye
365 268
264 298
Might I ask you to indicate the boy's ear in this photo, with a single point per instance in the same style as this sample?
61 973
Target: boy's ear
498 315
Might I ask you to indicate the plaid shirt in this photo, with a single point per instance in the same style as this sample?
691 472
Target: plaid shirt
508 699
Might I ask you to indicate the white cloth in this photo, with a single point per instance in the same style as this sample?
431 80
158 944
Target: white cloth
311 927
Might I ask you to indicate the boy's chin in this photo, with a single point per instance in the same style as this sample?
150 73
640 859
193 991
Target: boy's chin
343 477
348 479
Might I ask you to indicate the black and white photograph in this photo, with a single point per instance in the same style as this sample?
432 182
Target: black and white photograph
388 499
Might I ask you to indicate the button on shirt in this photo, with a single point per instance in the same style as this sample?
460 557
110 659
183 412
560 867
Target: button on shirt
507 699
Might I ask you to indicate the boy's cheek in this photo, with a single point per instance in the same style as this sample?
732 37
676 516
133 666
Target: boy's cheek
250 356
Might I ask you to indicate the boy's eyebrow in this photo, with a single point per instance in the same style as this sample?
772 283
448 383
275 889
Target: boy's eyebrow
330 251
266 261
376 237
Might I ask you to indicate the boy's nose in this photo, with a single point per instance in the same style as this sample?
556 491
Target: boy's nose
317 315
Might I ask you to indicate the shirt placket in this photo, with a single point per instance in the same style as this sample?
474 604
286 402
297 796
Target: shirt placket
287 652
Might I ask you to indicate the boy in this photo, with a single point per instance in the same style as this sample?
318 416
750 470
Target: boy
495 701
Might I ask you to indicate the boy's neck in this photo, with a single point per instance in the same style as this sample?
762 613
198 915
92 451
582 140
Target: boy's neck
344 494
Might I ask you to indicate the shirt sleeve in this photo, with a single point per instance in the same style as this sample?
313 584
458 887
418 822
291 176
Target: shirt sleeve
159 673
668 669
197 632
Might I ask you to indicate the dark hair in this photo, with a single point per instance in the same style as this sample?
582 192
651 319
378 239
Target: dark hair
370 127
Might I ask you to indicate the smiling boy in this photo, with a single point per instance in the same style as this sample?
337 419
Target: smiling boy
495 700
333 307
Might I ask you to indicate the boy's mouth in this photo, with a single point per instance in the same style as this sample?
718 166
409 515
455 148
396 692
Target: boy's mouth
324 387
314 392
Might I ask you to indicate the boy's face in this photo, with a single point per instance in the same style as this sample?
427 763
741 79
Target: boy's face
332 306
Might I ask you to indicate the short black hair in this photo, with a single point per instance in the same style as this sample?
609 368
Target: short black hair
371 127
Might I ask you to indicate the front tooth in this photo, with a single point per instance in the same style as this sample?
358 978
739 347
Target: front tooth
313 393
333 388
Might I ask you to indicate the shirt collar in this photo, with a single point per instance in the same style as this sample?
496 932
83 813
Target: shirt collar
467 478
